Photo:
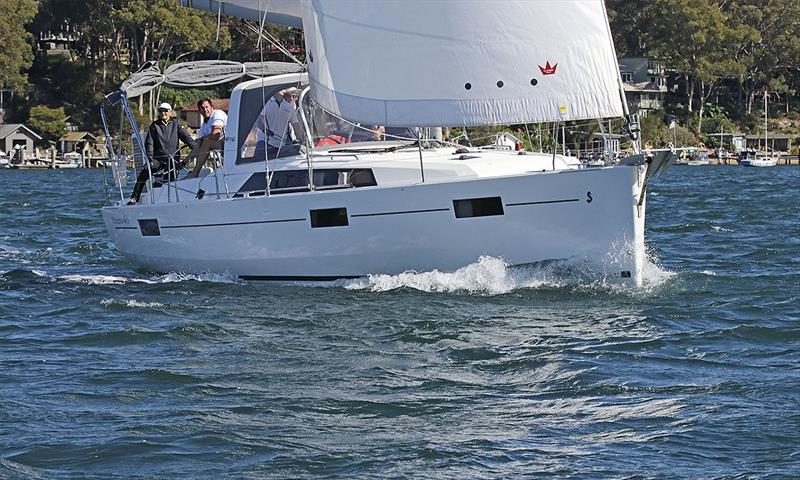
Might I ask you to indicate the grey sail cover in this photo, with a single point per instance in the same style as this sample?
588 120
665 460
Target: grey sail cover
202 73
148 77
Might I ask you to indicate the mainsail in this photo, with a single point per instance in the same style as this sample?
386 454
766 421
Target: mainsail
453 63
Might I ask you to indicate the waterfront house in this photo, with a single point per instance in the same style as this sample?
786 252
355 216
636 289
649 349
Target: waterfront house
80 142
776 143
17 140
645 83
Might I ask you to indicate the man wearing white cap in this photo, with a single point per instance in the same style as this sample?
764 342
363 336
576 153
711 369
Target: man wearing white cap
161 146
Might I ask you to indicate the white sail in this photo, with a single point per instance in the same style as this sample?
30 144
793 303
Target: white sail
452 62
429 63
283 12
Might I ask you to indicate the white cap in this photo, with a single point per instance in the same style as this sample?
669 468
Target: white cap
165 106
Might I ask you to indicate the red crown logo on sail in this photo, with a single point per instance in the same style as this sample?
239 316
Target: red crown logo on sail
547 69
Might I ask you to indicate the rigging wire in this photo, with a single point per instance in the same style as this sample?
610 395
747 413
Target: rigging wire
267 175
262 34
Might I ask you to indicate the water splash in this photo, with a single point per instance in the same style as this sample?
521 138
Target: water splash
131 303
493 276
167 278
102 279
197 277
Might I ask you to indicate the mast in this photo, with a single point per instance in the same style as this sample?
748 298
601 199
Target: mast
766 141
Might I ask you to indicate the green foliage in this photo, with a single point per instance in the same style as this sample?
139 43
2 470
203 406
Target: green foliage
15 54
180 98
48 122
657 134
724 53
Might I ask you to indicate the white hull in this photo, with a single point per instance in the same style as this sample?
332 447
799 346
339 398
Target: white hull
759 162
590 213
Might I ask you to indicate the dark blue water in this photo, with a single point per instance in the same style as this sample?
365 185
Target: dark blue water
108 371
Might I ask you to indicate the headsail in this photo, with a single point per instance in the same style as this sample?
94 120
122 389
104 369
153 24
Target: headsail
449 62
429 63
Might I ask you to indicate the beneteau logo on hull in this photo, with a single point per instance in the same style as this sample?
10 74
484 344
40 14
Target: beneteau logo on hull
547 69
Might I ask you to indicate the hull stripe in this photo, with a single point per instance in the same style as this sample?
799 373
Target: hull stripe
399 213
543 202
235 223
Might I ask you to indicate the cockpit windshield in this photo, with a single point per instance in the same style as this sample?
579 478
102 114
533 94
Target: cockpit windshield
329 129
278 129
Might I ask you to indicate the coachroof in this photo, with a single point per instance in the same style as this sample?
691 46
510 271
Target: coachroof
9 128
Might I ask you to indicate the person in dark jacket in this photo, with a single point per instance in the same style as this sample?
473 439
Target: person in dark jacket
161 146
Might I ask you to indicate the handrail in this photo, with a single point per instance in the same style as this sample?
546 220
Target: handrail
112 155
309 138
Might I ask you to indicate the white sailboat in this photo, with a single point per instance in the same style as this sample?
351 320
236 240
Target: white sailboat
407 202
766 159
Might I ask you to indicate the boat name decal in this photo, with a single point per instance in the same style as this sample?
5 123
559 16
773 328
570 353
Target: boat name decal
547 69
123 220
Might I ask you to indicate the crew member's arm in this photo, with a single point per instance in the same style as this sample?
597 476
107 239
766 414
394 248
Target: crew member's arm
184 137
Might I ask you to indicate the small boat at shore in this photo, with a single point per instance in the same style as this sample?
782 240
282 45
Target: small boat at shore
760 160
752 159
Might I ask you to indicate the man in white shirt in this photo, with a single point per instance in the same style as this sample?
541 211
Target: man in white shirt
211 134
280 111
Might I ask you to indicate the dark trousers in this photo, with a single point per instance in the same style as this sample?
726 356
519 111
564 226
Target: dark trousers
144 174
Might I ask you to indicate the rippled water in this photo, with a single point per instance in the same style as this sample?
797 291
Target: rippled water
108 371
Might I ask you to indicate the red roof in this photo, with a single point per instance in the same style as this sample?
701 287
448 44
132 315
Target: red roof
218 104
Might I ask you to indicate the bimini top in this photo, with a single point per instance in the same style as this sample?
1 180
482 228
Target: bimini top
201 73
453 63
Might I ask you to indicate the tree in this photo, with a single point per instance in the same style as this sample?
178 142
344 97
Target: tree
16 53
771 45
162 31
48 122
697 42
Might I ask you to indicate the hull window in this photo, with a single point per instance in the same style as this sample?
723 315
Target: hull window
149 228
329 217
478 207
